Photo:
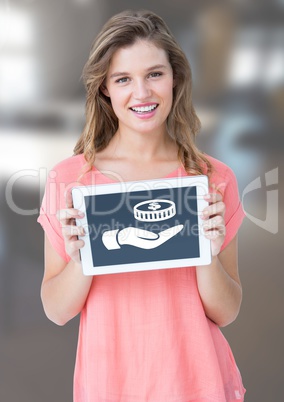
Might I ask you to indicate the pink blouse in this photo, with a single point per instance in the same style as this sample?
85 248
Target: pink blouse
144 336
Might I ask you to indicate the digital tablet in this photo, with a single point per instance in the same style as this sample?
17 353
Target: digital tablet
143 225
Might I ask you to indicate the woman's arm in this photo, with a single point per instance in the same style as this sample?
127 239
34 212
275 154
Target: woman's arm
64 287
219 283
220 287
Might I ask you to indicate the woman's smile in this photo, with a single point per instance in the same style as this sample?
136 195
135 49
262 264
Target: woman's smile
145 111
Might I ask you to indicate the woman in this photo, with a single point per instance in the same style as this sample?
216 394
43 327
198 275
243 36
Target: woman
152 335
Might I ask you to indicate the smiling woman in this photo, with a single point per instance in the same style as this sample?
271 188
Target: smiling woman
166 60
147 335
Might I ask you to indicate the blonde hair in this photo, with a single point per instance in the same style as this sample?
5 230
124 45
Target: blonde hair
123 30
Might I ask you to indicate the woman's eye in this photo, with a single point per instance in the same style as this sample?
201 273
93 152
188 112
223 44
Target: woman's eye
156 74
122 80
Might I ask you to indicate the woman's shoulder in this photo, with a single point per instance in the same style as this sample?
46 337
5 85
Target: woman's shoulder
216 163
68 169
220 172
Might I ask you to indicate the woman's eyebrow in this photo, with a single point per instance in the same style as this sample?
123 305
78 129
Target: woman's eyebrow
118 74
155 67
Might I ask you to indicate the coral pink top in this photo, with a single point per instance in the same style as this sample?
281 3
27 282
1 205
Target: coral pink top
144 336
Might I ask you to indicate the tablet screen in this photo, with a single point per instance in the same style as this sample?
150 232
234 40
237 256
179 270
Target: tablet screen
130 228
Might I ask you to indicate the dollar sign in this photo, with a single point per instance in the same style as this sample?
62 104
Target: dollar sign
154 205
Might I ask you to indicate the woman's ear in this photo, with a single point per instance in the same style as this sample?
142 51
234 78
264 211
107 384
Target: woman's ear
104 90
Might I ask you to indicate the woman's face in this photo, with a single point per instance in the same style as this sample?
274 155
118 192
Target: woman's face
140 86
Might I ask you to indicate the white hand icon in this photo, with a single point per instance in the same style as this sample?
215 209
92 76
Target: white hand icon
136 237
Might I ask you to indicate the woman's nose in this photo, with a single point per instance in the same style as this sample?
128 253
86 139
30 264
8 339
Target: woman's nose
141 90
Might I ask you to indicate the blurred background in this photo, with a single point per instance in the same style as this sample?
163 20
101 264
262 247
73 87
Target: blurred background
236 49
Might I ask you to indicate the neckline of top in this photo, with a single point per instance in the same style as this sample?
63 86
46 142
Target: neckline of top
179 171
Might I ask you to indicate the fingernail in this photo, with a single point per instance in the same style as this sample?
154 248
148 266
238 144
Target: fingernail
81 214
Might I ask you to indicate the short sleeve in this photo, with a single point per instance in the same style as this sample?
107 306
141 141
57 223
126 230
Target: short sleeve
234 213
53 200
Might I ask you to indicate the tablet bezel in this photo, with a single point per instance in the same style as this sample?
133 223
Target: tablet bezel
80 192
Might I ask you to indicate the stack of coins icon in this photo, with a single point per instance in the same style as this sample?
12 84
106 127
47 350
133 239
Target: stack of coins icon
154 210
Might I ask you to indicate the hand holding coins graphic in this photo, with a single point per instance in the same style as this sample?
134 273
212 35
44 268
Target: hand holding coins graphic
146 211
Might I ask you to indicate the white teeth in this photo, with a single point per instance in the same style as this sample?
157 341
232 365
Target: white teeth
144 109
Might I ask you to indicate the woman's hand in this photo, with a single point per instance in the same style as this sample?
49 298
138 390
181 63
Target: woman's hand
64 287
70 230
219 283
214 223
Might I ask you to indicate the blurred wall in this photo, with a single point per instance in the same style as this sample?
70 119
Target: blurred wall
237 57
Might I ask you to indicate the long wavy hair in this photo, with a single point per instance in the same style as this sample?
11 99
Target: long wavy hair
123 30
